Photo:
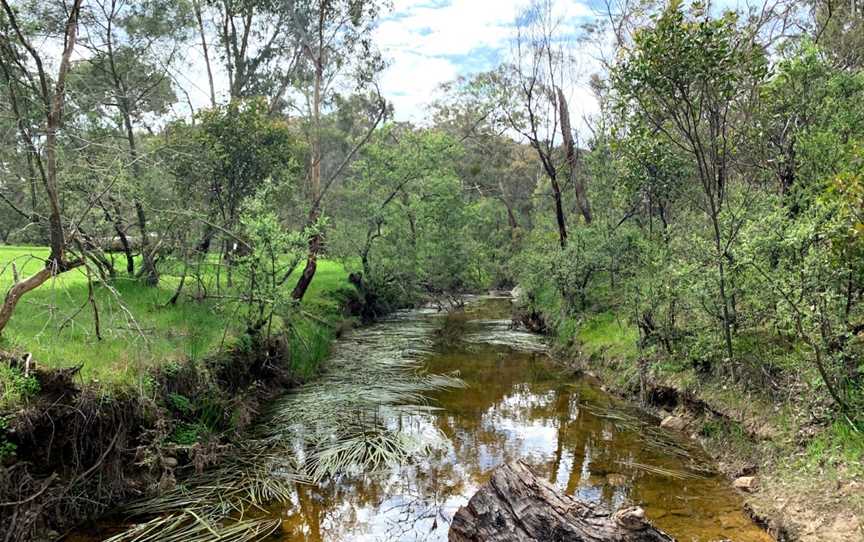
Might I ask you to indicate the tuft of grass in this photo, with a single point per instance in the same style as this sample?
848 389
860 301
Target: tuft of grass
605 335
842 444
15 386
187 434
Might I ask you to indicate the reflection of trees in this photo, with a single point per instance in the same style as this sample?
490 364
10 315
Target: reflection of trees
412 500
487 424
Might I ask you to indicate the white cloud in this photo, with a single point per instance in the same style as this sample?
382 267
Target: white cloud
411 80
429 42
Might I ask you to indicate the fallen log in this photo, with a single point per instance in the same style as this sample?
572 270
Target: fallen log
516 505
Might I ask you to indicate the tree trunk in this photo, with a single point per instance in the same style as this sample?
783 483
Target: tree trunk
516 505
13 296
196 5
121 234
148 265
54 103
572 158
315 166
721 279
19 289
308 271
559 212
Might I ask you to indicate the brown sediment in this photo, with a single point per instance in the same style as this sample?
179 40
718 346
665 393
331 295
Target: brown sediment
784 505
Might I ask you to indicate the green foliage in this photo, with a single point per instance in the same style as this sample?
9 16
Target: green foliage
726 244
606 334
140 332
188 434
15 387
180 403
271 254
7 448
237 148
404 221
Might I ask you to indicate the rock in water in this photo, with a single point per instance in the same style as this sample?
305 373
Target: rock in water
746 483
674 422
516 505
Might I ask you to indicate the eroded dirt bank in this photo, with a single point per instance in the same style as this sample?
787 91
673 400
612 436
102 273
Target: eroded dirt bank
791 505
80 449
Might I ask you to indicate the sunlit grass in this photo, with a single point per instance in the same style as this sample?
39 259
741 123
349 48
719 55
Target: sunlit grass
139 330
604 334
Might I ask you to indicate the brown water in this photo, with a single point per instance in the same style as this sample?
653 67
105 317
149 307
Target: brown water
518 405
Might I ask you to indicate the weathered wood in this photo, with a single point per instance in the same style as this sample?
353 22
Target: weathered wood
516 505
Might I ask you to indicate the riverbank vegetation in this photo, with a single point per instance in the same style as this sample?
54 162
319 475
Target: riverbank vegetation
699 230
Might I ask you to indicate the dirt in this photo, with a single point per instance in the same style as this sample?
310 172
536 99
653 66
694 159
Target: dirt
809 513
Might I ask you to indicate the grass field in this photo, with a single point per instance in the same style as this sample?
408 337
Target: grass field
56 323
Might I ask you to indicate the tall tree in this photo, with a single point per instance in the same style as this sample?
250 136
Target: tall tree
132 46
256 43
533 102
335 44
693 80
24 70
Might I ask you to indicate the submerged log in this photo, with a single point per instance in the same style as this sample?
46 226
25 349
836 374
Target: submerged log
516 505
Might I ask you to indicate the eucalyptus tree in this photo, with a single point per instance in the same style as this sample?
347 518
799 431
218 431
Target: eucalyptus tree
530 92
839 29
25 72
255 42
126 77
692 79
335 44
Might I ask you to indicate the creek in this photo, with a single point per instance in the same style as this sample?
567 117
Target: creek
516 403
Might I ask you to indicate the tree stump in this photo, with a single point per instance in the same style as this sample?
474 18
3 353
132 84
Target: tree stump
516 505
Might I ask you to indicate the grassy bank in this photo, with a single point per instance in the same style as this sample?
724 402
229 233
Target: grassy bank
139 330
808 460
162 391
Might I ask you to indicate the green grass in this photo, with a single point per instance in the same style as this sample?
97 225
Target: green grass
841 444
605 335
139 331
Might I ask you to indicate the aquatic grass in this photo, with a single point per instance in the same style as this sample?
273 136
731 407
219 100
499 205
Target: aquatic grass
361 415
251 480
188 526
669 473
651 436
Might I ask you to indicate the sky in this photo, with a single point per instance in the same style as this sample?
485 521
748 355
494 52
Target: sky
430 42
427 43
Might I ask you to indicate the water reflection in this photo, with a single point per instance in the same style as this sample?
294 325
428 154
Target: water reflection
517 406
